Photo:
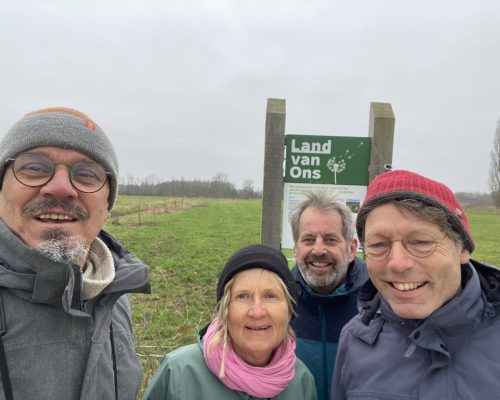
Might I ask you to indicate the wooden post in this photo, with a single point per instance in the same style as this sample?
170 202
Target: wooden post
381 130
272 193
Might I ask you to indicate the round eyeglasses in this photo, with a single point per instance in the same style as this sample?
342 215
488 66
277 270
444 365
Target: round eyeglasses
421 246
36 169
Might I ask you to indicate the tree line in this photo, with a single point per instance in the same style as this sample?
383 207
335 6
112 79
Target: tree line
217 187
474 199
220 187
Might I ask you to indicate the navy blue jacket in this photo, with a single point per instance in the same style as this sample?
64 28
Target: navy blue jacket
319 320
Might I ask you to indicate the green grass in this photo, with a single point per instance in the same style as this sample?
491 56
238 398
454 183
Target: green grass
186 242
485 226
185 249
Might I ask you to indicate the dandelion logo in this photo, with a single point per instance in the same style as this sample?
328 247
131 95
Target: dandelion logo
338 164
335 165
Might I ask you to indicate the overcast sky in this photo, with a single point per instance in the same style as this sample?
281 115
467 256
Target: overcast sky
181 86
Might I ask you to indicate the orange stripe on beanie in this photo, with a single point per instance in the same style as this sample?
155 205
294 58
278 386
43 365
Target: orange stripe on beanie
65 128
88 122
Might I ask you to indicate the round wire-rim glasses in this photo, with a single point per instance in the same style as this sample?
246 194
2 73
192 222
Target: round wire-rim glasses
36 169
422 245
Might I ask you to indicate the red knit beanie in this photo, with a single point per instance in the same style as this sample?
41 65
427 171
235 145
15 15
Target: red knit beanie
400 185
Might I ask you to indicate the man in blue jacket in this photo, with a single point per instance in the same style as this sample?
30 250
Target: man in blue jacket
328 276
430 321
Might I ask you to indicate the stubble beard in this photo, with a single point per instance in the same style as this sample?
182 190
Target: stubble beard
58 246
332 280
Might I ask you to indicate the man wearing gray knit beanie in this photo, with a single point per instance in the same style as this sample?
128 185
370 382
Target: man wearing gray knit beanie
65 322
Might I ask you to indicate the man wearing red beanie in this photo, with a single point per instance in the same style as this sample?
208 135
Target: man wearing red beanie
429 324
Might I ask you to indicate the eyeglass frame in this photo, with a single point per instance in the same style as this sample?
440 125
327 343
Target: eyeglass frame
404 242
13 160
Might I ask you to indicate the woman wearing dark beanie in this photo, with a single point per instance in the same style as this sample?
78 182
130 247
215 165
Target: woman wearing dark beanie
248 350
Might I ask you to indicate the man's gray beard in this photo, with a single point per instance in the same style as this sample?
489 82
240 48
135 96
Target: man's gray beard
63 249
334 279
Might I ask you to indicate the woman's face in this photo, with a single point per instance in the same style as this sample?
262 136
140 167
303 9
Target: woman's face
258 315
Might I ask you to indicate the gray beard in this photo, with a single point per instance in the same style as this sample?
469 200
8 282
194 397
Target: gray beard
333 280
62 249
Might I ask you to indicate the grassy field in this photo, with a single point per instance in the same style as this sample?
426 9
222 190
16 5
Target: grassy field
186 242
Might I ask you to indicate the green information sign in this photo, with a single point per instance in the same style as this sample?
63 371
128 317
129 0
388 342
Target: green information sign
333 160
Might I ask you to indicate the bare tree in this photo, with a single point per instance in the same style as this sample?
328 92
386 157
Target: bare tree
220 177
247 191
494 178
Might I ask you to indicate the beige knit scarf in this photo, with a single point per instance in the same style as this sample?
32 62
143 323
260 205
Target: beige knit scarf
98 271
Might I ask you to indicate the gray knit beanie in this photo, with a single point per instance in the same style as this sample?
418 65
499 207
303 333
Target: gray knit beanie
65 128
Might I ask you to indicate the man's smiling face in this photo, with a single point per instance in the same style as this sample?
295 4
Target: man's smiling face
414 287
322 253
55 210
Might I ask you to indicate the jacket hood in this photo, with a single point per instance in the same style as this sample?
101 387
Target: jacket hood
489 277
131 273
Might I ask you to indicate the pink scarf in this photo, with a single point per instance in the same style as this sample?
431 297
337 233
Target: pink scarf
261 382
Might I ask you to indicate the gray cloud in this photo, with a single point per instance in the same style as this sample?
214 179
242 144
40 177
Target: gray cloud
181 86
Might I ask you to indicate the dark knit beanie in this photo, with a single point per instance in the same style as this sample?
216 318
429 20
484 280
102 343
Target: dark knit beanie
257 256
65 128
400 185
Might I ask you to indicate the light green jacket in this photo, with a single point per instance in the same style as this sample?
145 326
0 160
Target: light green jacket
184 375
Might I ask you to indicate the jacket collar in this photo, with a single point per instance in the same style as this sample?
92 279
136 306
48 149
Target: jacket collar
439 331
479 298
35 278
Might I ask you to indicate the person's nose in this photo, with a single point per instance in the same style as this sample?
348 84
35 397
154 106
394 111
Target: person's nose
257 309
398 259
319 247
60 185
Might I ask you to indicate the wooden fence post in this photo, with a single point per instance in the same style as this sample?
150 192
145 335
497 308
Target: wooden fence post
381 130
272 193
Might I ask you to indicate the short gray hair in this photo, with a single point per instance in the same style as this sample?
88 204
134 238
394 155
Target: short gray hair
323 201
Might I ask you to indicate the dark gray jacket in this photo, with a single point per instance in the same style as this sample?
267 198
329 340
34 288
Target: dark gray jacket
452 354
57 346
